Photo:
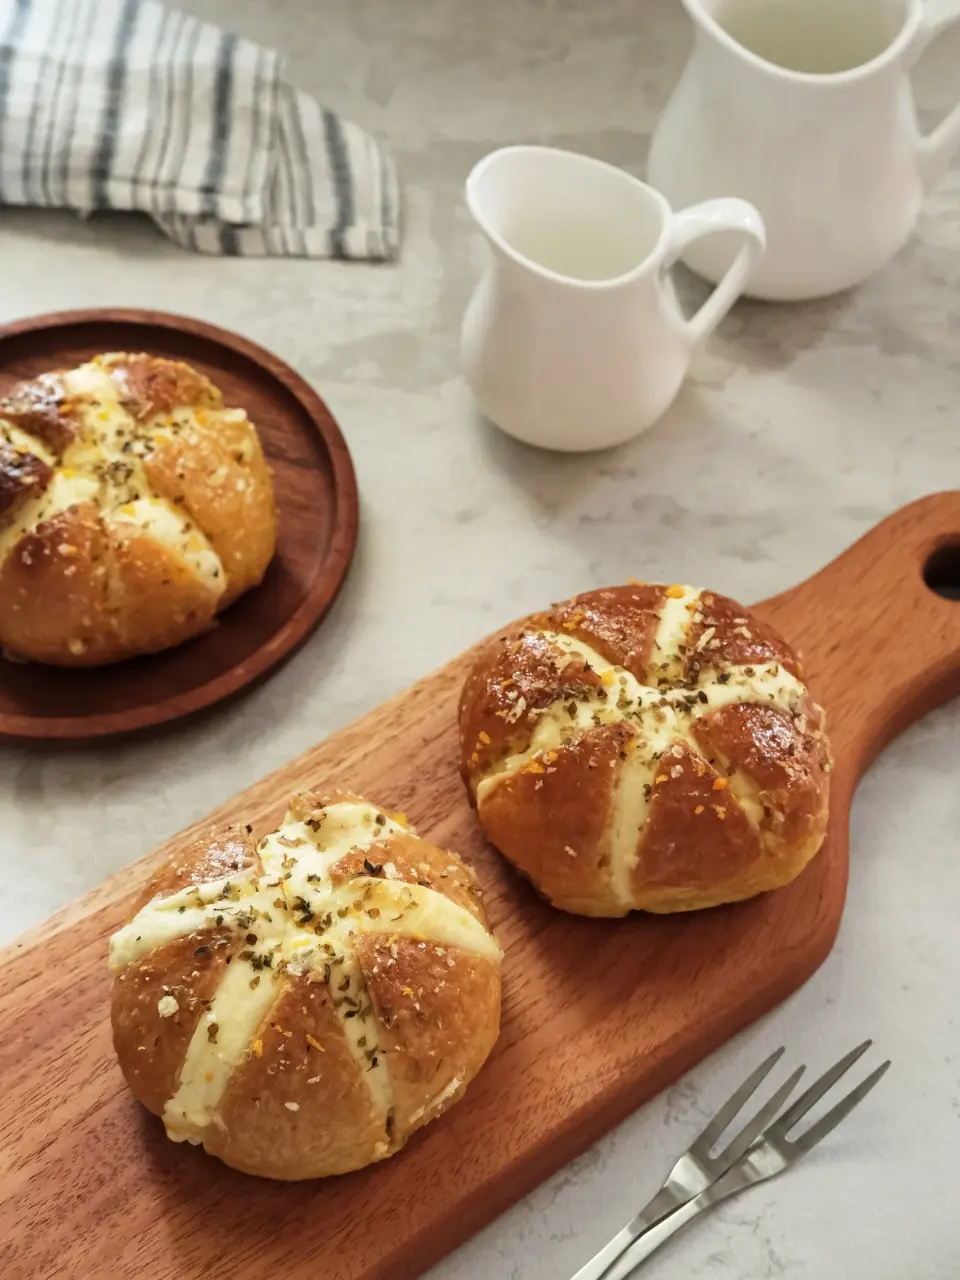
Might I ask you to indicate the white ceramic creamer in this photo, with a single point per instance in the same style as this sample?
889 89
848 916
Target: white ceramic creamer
573 339
805 108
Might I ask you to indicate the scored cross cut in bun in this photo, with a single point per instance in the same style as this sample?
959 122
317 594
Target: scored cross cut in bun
301 1006
646 747
134 506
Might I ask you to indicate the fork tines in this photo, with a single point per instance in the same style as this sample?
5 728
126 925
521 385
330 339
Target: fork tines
810 1097
760 1149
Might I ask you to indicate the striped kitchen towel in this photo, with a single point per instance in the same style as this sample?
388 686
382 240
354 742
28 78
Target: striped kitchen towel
127 104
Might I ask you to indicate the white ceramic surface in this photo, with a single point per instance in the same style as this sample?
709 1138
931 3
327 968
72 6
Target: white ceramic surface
573 339
806 108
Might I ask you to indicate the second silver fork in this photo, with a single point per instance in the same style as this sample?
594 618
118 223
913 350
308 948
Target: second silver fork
698 1180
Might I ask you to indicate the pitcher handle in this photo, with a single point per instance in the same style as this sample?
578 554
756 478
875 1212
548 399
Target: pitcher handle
724 214
937 148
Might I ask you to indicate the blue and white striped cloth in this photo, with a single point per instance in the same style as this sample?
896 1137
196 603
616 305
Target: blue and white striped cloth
126 104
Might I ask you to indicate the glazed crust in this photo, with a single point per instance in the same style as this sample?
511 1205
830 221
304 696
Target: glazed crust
352 1051
151 1048
303 1060
22 476
134 507
427 997
646 747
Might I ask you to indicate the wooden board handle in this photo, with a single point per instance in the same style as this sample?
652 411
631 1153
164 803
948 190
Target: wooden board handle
887 647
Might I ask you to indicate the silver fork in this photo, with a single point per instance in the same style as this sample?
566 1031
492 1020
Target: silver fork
698 1181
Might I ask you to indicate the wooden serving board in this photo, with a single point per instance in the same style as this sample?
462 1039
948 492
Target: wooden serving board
598 1016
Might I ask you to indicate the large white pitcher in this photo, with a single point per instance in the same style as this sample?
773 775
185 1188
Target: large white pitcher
573 338
805 108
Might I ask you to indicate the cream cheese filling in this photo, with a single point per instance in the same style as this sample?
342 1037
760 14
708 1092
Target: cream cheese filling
659 717
304 924
171 527
222 1037
104 465
628 816
66 489
436 1102
676 615
24 442
622 698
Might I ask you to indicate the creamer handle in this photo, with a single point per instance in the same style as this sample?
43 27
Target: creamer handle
725 214
939 147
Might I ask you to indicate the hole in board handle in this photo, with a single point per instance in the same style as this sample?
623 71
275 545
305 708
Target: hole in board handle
941 573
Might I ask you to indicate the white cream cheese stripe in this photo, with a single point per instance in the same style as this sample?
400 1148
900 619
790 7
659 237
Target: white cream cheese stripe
413 911
345 826
370 1059
404 909
104 445
62 492
100 445
555 725
307 854
90 380
297 861
770 683
233 1018
437 1102
171 527
622 698
676 615
628 810
25 443
628 817
407 910
197 906
658 729
745 792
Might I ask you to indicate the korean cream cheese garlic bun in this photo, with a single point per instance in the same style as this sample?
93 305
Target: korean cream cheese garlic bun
134 506
302 1005
646 747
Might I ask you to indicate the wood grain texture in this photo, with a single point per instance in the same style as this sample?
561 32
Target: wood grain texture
317 530
598 1015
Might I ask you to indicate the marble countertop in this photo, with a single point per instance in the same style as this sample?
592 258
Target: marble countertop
801 427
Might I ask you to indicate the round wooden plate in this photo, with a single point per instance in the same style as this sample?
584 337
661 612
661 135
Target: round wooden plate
317 503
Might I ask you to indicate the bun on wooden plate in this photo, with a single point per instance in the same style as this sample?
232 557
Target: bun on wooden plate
133 507
646 747
300 1006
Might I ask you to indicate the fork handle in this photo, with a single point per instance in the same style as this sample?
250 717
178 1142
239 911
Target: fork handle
734 1180
600 1265
651 1240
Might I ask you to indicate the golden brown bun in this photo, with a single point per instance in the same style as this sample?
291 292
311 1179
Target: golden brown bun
303 1005
133 507
646 747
